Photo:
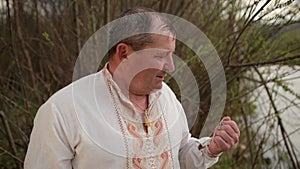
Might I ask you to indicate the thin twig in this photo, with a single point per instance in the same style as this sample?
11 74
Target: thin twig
265 62
243 30
10 154
10 139
280 124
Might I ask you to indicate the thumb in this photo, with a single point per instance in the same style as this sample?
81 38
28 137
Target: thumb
226 118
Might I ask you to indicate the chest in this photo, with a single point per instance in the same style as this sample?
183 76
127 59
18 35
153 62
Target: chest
125 144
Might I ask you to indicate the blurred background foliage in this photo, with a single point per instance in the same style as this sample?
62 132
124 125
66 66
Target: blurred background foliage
257 41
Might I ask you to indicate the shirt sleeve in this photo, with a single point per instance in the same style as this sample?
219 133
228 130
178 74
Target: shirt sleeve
190 157
49 147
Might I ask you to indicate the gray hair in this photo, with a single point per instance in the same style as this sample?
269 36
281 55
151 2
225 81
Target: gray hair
136 20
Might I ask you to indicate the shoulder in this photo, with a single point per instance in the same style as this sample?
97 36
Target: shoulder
75 89
63 102
166 91
169 97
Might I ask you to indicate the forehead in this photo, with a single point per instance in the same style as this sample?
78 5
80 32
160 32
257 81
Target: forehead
162 42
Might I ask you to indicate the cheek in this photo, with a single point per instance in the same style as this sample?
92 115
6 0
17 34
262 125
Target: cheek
146 68
148 75
153 63
144 75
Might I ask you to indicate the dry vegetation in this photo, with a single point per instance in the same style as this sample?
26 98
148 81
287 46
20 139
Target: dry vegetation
40 41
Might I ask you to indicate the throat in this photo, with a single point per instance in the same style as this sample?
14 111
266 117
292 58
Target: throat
140 102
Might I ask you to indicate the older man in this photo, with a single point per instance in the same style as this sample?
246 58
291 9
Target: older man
125 116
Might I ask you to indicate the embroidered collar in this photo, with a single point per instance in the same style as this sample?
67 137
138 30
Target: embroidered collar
125 101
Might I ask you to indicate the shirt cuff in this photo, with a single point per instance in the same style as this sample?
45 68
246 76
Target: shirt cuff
203 146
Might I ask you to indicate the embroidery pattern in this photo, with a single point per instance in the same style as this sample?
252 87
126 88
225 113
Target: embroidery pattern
144 150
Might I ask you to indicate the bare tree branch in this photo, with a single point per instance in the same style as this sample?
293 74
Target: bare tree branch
280 124
243 29
11 140
274 61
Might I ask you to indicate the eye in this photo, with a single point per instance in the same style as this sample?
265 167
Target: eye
159 56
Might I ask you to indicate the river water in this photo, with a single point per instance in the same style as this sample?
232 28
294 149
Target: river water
287 102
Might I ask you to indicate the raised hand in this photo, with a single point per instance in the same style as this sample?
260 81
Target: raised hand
226 135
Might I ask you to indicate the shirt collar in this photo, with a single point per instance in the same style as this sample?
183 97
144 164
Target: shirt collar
153 96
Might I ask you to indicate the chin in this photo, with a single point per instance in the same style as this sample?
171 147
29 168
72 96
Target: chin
158 86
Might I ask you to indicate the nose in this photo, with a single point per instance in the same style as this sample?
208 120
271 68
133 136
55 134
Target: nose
169 64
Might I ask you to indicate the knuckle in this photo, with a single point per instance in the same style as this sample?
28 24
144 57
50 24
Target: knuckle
218 139
223 132
226 127
237 138
232 143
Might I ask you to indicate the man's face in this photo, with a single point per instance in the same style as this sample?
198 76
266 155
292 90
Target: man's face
148 66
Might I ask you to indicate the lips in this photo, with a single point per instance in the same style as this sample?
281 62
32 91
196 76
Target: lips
161 76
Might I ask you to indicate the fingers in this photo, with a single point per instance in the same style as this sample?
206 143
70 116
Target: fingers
221 143
231 127
227 121
234 126
226 138
226 133
228 130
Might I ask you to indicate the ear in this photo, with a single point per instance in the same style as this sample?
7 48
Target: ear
122 51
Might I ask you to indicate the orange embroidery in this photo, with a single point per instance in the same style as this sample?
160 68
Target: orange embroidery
132 130
137 163
141 163
165 157
159 126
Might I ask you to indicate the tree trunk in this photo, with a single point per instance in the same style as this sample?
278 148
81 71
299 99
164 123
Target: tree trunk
106 11
76 26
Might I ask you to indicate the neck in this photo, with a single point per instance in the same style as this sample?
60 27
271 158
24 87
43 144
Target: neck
140 100
136 97
111 67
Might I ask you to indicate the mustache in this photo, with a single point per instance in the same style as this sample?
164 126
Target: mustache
161 73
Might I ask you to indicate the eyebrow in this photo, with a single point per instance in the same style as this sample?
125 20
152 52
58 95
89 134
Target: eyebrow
164 52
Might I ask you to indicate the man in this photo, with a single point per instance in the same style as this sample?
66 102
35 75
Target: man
125 116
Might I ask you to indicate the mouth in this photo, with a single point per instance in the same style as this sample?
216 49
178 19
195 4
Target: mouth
161 76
